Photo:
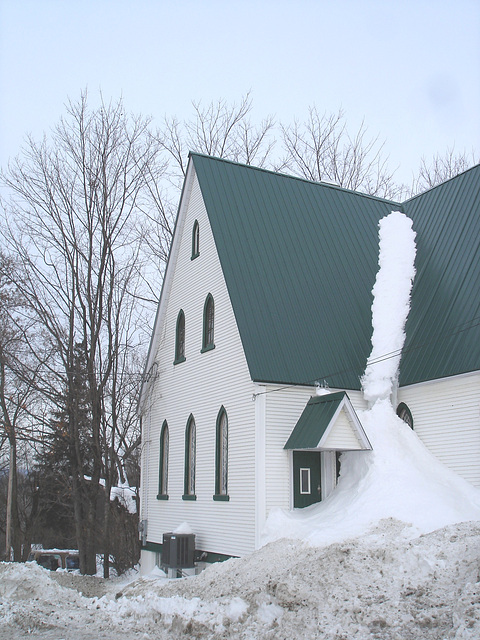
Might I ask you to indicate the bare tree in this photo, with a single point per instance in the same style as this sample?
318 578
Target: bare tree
219 129
76 220
442 168
12 399
18 400
321 149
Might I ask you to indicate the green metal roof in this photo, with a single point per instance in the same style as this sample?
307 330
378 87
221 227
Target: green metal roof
443 328
314 421
300 259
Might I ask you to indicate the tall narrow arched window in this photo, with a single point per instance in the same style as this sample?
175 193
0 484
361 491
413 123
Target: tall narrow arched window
180 338
405 414
221 457
190 447
163 468
195 240
208 324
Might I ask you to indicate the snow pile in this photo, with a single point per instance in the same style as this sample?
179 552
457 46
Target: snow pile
378 585
29 597
183 528
399 478
391 303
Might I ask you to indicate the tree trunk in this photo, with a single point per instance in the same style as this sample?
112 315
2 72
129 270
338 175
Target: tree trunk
13 540
8 538
106 531
85 506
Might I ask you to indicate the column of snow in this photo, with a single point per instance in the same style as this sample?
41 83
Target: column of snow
391 303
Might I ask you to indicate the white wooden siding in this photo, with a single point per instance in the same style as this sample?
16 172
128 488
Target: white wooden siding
446 416
200 386
342 435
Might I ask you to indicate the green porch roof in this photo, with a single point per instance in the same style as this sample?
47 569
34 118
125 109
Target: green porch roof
300 260
314 421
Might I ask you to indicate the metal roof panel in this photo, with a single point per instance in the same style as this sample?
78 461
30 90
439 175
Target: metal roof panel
300 260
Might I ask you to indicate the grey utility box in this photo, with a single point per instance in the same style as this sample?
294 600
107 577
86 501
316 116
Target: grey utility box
178 550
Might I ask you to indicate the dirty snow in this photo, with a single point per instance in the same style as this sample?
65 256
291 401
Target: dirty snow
383 584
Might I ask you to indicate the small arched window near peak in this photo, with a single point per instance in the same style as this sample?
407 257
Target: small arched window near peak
180 338
404 413
163 466
195 240
208 324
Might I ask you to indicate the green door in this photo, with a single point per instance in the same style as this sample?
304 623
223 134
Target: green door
306 478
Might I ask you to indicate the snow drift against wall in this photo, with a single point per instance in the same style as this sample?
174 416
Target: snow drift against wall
399 478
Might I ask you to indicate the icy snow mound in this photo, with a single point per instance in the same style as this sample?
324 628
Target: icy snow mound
28 581
398 479
30 599
377 585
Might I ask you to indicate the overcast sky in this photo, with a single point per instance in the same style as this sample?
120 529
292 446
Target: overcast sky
409 69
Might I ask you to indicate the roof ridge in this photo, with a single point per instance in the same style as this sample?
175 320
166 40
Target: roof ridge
336 187
441 184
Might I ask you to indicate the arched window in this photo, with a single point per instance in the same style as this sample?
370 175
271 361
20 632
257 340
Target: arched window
195 240
190 446
405 414
180 338
221 457
163 468
208 324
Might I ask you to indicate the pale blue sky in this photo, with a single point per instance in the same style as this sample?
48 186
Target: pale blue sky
410 69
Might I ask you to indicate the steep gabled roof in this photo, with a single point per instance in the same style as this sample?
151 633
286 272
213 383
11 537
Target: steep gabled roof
300 260
443 329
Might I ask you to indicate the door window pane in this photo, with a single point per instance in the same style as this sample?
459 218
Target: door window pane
305 481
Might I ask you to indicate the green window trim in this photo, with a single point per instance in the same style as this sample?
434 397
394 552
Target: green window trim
190 453
221 456
163 463
195 240
208 324
180 338
210 347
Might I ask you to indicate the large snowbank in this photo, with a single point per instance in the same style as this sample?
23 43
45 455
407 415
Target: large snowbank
378 585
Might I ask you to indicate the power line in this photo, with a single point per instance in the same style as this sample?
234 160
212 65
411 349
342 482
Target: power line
465 326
